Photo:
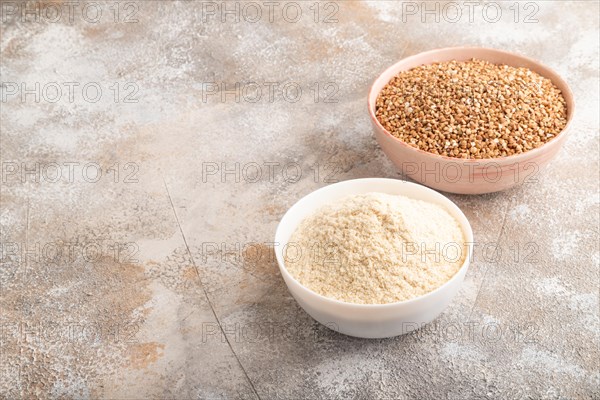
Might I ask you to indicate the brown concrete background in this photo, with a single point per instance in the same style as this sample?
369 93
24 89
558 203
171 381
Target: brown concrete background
192 305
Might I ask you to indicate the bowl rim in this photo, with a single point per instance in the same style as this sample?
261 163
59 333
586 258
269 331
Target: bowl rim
515 157
466 228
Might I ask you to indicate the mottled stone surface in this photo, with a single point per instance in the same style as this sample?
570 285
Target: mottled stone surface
157 280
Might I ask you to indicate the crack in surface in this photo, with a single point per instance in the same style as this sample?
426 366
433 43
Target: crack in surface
212 309
508 207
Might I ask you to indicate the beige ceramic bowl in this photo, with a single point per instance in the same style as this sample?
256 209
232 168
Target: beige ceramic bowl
457 175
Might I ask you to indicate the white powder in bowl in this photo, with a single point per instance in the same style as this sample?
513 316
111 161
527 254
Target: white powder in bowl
376 248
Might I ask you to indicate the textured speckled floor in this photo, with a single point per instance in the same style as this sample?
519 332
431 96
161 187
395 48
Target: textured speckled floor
137 206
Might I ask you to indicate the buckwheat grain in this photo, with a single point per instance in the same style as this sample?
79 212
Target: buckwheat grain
472 109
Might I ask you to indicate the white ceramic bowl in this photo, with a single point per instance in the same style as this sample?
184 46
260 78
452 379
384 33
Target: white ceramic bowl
369 320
